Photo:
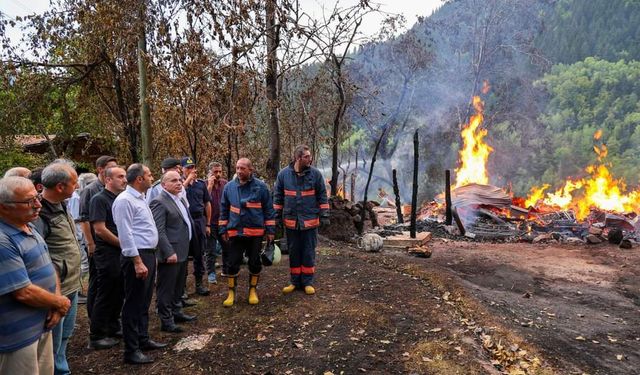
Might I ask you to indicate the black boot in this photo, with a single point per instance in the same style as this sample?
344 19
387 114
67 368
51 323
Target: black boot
200 289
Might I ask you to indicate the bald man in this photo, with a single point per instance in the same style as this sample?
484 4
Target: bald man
175 231
246 217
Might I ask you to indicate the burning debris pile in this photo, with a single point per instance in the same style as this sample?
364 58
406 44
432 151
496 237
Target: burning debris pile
591 209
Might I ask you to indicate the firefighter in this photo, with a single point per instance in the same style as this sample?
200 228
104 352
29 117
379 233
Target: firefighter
300 202
246 216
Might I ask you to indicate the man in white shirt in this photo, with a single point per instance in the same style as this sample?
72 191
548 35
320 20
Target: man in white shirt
138 238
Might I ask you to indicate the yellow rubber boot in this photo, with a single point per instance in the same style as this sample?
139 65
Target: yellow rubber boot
309 290
288 289
231 298
253 293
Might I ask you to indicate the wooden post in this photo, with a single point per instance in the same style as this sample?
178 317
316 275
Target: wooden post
396 191
447 196
353 187
414 194
366 187
458 221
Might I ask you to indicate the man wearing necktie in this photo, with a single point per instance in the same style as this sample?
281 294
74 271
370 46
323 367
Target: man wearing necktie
175 231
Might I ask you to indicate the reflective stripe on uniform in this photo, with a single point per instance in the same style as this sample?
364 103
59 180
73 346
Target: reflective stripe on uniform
312 223
232 232
234 209
324 206
254 204
308 193
222 223
296 270
291 193
290 223
277 206
270 222
307 270
253 231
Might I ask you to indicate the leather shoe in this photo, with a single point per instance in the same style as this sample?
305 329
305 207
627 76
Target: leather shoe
181 317
105 343
137 358
201 290
188 303
171 329
117 334
152 345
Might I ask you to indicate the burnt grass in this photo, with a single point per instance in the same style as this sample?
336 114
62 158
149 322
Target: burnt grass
391 313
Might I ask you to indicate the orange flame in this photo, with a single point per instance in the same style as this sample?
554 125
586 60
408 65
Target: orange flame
598 134
537 193
474 153
599 190
562 197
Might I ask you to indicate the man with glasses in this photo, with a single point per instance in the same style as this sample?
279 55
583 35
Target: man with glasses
58 230
30 298
300 201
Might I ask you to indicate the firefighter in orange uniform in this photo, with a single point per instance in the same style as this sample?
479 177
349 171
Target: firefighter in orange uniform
300 202
246 216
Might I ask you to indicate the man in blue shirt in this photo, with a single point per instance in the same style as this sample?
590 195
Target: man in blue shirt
30 299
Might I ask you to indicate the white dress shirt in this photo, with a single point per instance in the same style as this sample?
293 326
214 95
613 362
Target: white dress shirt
134 220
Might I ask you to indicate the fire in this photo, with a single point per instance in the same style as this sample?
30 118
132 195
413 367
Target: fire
536 194
562 197
598 190
605 192
474 154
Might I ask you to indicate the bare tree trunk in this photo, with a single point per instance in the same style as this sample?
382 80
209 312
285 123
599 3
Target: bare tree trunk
396 192
145 120
271 74
447 197
414 193
336 128
366 188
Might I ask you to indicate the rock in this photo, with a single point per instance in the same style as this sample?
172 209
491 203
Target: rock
595 231
543 238
452 230
626 244
593 239
574 240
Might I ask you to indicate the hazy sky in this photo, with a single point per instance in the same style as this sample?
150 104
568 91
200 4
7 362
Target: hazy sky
410 8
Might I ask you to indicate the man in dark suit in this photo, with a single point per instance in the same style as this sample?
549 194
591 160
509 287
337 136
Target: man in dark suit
175 231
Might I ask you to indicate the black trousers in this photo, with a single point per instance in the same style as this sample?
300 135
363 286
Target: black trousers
212 242
171 277
236 248
92 289
109 294
137 298
198 246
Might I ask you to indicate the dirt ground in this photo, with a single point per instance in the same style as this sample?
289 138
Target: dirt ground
472 308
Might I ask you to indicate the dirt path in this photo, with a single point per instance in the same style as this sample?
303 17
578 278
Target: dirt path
580 305
460 312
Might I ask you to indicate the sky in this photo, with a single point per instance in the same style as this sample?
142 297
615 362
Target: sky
411 9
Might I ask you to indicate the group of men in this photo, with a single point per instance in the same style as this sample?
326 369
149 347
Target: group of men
139 234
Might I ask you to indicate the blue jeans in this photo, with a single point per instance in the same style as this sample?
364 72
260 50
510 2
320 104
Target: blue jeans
61 334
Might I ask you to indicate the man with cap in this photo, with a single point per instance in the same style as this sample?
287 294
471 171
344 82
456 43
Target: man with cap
168 164
199 201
